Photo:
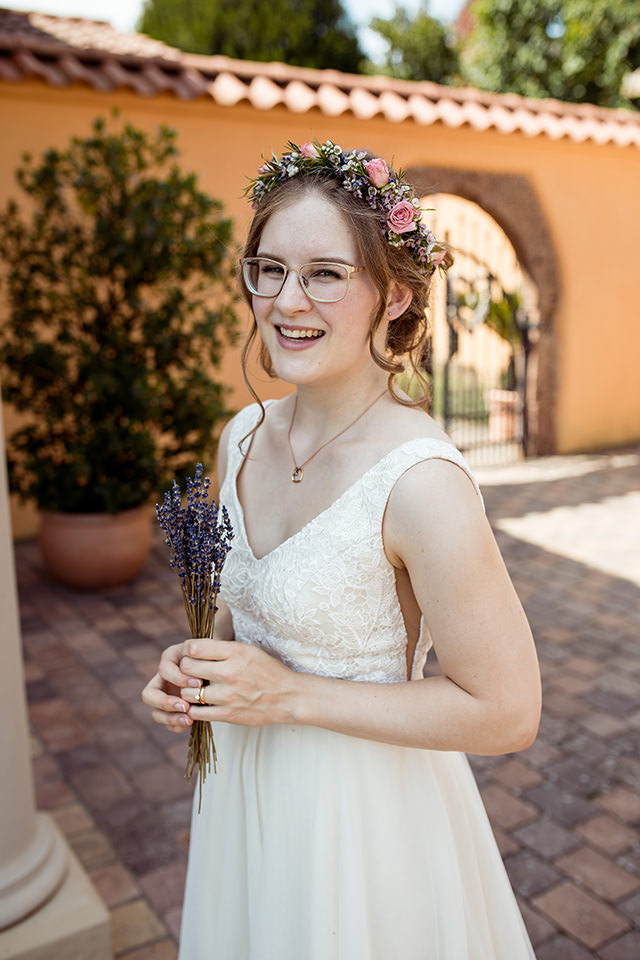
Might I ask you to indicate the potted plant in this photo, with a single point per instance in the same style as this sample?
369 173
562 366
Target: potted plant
117 273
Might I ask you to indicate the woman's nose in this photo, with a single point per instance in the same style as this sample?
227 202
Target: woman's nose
292 295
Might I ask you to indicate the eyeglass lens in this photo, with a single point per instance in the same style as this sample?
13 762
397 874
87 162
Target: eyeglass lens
321 281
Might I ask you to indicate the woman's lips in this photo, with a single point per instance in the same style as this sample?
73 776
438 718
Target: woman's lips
298 338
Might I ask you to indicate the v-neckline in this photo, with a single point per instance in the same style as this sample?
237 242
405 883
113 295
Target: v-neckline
322 513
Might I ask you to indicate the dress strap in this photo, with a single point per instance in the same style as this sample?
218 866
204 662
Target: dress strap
381 479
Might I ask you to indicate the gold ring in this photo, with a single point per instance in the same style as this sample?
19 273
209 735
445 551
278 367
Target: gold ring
200 696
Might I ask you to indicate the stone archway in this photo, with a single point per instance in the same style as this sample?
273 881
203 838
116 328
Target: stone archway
511 201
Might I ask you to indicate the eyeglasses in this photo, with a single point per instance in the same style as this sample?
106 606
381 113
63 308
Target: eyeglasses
324 280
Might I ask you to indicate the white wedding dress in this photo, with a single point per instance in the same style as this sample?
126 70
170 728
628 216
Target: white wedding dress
314 845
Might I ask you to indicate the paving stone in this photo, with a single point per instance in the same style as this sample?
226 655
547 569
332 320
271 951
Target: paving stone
173 918
506 810
162 950
539 929
529 874
565 807
631 908
627 769
133 925
578 775
625 948
561 948
73 819
161 782
138 755
607 834
57 724
573 683
51 794
164 888
114 884
547 838
141 841
581 915
92 849
177 753
602 724
100 786
516 775
598 873
622 802
610 702
506 843
631 860
540 754
558 704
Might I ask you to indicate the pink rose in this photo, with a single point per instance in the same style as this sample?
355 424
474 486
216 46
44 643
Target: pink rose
437 257
378 172
263 169
402 218
309 150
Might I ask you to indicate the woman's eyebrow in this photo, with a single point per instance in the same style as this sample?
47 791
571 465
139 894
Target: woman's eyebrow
327 259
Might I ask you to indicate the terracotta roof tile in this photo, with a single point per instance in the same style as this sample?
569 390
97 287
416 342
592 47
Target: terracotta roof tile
331 100
264 94
227 89
63 50
299 98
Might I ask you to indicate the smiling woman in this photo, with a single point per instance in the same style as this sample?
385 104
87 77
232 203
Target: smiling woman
345 821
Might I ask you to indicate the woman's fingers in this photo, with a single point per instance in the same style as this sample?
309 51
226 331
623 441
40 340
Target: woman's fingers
173 722
169 665
168 707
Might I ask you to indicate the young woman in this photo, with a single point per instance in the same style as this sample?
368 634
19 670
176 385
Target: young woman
344 822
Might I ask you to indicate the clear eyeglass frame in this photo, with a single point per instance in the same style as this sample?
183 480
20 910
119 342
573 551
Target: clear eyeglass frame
346 268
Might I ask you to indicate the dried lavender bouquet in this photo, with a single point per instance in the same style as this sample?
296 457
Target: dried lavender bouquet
199 538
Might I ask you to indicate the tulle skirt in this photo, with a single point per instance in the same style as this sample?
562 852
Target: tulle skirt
313 845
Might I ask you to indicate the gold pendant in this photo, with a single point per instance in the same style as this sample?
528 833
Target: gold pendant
297 475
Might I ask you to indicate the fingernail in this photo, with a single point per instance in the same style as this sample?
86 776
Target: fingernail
193 682
179 705
185 721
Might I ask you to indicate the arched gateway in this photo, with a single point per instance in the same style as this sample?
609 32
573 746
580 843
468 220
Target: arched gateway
511 201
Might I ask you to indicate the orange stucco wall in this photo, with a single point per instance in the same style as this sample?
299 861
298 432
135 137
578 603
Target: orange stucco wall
590 196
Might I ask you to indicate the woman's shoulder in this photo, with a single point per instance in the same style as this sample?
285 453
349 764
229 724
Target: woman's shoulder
401 425
427 462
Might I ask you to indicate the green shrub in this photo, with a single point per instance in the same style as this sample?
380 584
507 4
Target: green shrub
117 271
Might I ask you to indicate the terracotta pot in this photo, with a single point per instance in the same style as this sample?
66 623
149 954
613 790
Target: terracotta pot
93 550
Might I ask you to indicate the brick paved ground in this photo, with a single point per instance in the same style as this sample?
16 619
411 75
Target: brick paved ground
565 812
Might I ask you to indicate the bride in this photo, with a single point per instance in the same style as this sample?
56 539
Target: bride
344 822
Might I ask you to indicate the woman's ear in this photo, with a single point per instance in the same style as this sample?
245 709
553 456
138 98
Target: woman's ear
398 300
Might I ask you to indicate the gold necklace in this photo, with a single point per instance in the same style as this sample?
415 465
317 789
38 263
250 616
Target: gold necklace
298 473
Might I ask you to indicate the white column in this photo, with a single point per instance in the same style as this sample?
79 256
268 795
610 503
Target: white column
35 864
32 855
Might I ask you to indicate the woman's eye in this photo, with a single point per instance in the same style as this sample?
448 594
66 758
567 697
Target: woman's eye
324 273
271 270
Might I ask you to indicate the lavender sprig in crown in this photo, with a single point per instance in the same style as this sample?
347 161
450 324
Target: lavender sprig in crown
199 538
370 179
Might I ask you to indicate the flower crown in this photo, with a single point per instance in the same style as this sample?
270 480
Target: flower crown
371 180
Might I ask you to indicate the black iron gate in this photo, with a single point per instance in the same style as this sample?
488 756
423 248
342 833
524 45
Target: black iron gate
479 375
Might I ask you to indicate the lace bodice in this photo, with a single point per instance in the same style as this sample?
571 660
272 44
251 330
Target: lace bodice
324 601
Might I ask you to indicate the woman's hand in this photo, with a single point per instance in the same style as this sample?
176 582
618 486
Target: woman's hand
246 685
162 693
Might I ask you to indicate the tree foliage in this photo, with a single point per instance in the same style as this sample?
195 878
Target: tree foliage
117 275
576 50
418 46
301 32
